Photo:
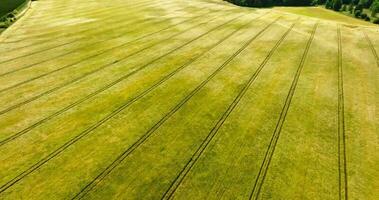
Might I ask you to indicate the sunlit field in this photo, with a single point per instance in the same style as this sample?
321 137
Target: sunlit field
187 99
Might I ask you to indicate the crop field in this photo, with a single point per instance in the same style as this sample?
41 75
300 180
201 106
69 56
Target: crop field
187 99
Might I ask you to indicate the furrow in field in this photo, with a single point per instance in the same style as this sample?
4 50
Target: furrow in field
61 7
111 18
60 36
139 142
46 67
275 137
73 140
342 168
87 90
198 153
38 123
188 79
30 29
70 31
71 45
372 48
185 124
305 164
46 24
26 92
227 167
103 11
18 26
361 100
74 56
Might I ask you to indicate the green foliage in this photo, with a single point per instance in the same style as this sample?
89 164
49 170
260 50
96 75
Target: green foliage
365 3
328 4
351 8
337 4
376 21
359 7
268 3
357 13
7 6
374 8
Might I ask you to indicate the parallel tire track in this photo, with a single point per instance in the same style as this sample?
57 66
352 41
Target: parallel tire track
342 168
55 18
85 12
275 137
199 152
97 53
372 48
81 135
41 37
106 87
150 132
78 40
148 5
52 21
4 111
101 12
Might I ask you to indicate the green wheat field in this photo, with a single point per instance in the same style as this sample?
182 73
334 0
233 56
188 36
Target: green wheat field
188 99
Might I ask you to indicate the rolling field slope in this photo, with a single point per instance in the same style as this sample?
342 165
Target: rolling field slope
187 99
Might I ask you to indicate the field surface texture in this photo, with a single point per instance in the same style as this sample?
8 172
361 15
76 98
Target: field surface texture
187 99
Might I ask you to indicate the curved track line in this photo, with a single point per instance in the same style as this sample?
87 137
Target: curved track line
199 152
150 132
372 48
275 137
79 136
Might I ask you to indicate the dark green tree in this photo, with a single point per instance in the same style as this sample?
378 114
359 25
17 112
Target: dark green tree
374 8
328 4
351 8
337 4
365 3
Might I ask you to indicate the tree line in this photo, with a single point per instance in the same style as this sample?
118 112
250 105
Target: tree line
354 7
269 3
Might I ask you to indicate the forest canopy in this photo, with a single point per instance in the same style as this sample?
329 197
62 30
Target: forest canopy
268 3
372 4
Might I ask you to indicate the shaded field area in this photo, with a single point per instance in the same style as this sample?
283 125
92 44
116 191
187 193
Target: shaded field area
7 6
186 99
